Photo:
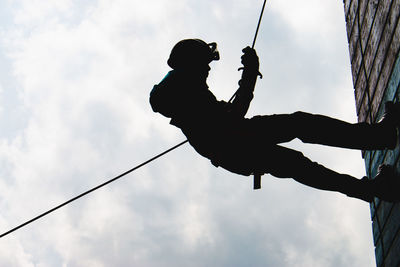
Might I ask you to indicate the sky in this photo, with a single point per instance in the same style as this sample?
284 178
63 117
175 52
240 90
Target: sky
75 77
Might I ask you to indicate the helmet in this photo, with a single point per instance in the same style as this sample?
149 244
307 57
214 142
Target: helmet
192 52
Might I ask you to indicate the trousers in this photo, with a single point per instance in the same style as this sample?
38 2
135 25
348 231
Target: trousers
255 147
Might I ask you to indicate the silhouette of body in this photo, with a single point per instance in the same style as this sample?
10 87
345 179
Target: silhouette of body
219 131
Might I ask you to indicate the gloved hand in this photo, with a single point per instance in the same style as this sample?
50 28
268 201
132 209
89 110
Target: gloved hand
244 94
250 59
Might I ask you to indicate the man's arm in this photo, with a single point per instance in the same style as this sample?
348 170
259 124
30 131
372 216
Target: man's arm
244 94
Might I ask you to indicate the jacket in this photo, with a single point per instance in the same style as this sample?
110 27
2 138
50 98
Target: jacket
192 107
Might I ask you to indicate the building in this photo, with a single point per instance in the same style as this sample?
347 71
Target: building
373 32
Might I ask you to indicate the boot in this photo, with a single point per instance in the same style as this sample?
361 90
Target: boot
362 191
392 114
386 184
390 121
319 129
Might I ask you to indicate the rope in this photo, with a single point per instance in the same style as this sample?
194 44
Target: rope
259 23
93 189
127 172
254 41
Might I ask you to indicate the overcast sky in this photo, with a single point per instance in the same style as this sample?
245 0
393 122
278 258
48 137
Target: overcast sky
74 83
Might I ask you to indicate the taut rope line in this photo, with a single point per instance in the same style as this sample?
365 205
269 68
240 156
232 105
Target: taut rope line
257 177
93 189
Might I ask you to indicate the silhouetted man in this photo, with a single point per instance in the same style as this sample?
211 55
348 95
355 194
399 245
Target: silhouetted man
219 131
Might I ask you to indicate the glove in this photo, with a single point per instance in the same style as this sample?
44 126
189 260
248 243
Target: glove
250 59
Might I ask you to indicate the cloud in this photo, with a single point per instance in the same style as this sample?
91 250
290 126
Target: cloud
310 19
1 100
12 252
84 72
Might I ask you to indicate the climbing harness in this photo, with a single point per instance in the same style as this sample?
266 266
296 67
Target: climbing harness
257 176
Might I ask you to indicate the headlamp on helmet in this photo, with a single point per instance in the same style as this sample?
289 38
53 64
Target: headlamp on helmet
214 51
192 52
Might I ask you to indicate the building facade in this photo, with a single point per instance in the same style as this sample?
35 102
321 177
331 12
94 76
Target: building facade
373 32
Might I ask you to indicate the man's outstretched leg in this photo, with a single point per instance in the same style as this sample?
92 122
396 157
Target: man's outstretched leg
319 129
287 163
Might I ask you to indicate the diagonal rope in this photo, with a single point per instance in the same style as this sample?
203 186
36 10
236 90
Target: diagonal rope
93 189
129 171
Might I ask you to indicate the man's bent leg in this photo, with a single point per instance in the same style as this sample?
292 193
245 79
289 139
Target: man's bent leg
287 163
